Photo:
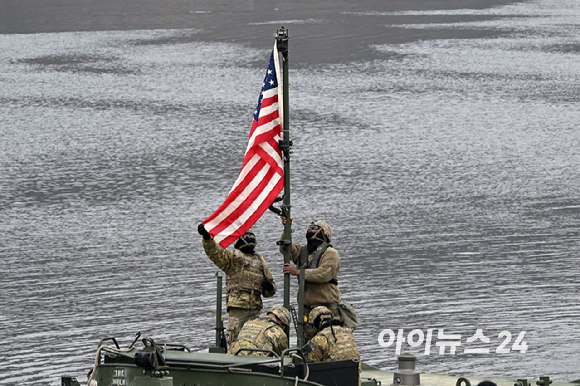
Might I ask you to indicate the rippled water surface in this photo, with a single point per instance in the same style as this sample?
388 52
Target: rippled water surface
448 170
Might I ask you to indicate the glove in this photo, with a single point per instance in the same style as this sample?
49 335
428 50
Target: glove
201 230
267 286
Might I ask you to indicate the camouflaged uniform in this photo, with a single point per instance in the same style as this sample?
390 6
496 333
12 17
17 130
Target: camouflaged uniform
260 333
244 276
327 346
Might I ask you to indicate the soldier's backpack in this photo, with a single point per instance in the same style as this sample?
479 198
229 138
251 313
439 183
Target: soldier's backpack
348 315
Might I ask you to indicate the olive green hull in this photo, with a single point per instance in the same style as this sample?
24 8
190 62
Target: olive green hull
172 365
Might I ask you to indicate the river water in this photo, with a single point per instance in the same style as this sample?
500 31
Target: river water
447 168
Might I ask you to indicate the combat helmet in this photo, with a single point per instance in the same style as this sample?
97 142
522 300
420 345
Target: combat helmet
281 313
325 229
318 315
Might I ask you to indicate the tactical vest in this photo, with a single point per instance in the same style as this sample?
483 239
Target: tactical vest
343 347
249 277
253 336
315 258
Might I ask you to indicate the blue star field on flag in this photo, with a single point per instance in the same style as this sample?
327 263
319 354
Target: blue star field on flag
270 81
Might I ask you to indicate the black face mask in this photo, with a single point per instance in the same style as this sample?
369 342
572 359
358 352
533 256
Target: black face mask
314 237
247 249
313 244
246 243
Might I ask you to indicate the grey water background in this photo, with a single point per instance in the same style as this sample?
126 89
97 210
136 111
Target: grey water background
447 167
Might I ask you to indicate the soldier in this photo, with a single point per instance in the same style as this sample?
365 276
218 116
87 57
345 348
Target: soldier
321 274
332 341
266 332
247 278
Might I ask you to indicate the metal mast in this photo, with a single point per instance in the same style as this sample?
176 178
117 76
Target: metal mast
281 36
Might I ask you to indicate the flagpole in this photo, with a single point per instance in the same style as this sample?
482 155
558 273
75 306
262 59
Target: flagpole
284 145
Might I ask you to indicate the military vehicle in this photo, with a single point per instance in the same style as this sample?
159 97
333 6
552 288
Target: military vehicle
147 362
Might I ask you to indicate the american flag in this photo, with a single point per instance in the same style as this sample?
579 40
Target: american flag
261 178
